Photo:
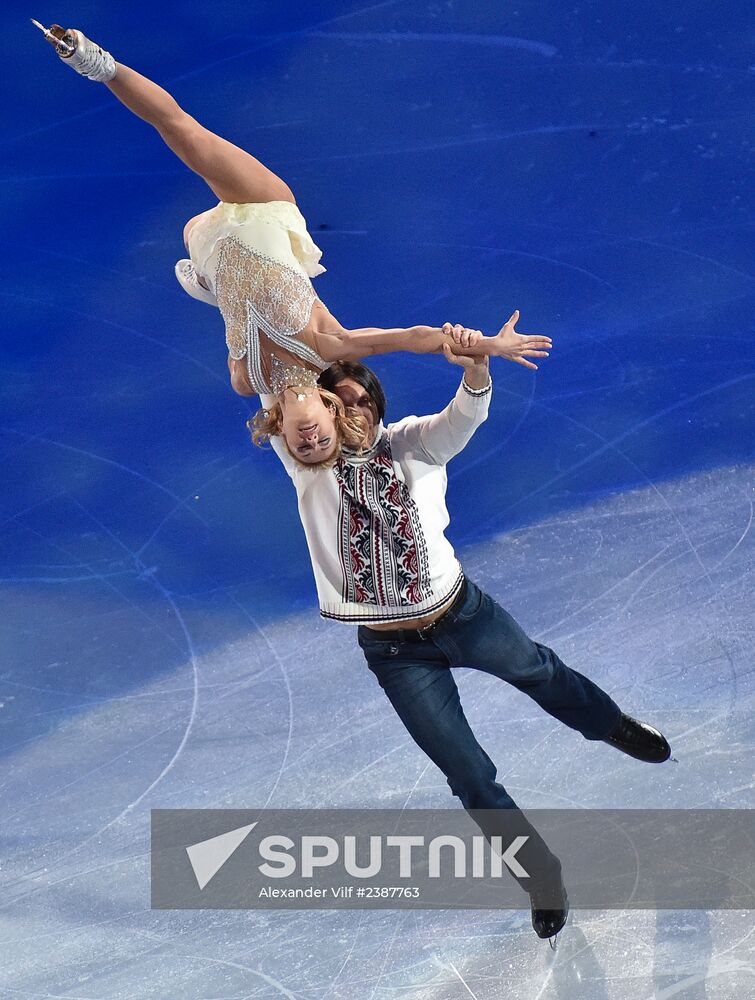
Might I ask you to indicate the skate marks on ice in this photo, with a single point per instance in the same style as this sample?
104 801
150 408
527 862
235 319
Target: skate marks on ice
615 587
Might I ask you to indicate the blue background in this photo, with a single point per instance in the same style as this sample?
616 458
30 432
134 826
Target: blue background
589 164
590 167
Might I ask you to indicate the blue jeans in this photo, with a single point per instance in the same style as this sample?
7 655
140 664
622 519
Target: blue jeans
478 633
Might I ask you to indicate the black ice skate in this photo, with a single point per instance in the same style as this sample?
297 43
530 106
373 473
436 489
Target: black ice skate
550 908
639 740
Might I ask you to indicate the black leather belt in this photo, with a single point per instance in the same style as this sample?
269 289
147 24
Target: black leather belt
410 634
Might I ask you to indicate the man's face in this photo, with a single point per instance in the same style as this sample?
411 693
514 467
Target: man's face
353 394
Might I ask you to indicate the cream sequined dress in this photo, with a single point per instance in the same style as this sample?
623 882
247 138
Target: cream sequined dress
257 260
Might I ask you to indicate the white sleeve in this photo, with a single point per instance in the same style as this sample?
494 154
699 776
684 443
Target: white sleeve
442 435
288 463
302 476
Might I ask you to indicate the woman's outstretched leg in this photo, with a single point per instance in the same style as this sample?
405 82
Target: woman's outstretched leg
232 174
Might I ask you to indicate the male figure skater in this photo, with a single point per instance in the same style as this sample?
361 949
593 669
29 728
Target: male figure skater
374 525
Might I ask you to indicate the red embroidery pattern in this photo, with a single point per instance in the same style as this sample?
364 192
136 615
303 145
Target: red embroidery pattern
382 547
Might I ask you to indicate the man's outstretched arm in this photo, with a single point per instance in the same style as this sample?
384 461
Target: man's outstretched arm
442 435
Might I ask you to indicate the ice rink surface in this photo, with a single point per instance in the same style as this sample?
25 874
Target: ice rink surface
590 165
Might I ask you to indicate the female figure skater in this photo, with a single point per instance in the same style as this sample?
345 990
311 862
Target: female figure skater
251 256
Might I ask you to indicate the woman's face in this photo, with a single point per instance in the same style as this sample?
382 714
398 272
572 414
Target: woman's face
353 394
309 426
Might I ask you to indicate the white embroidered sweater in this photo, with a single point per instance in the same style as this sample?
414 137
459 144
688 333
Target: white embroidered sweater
375 523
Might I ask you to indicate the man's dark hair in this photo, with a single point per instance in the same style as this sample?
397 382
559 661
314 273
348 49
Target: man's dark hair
362 375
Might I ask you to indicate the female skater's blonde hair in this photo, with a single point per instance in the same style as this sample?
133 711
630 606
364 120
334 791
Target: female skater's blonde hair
351 429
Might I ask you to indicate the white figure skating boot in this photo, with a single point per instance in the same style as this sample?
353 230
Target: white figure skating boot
189 281
81 54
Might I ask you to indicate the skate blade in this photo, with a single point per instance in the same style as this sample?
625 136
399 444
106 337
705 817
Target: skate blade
553 941
57 41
